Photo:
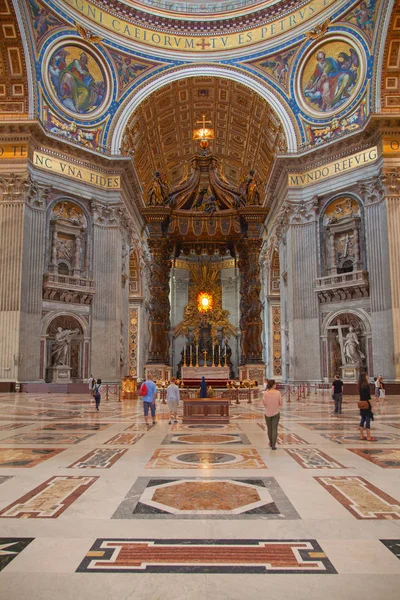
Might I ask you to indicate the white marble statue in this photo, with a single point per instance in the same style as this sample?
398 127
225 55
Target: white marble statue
351 347
60 349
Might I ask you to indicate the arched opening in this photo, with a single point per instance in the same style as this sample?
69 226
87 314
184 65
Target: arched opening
64 350
218 72
203 148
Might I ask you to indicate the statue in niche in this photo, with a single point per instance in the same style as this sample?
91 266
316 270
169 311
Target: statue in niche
351 348
248 189
61 346
345 246
159 191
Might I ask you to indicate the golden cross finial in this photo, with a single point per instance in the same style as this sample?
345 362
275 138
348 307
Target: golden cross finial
203 122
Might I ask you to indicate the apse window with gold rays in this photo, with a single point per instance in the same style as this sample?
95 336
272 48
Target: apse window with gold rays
205 302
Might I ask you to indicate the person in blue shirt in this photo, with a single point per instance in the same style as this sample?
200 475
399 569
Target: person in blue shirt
149 398
203 388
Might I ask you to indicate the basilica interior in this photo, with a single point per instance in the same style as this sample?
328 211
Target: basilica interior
199 190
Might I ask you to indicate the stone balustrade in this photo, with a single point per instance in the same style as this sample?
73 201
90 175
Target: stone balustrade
67 288
343 286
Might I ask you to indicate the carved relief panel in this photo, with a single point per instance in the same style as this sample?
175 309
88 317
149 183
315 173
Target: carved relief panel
341 237
68 239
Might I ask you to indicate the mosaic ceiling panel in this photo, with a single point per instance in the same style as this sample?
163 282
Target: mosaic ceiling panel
247 131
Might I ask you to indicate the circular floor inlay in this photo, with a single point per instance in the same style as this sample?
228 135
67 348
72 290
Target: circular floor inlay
207 439
211 458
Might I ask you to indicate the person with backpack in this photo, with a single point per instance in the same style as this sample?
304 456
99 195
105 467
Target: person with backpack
365 407
97 393
148 391
337 394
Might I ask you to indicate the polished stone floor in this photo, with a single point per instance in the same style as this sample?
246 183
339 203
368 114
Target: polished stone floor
97 506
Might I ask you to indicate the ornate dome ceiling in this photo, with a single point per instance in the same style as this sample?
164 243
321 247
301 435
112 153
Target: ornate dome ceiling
247 131
193 8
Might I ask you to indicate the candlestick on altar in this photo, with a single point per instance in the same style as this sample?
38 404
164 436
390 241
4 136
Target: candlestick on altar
191 355
219 355
197 355
213 356
204 358
184 356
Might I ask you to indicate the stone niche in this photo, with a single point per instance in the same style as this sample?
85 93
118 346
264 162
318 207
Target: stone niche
71 367
66 278
342 258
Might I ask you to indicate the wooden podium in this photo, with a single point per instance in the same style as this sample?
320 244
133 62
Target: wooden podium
205 410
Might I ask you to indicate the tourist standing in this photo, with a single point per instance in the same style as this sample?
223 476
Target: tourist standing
272 401
382 393
148 391
203 388
364 404
97 393
265 384
91 382
337 394
377 388
173 398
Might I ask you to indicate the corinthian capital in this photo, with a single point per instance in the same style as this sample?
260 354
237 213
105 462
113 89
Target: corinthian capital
372 190
36 194
13 187
391 181
300 213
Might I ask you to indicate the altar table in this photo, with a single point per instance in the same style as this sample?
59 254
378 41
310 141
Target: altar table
206 372
205 410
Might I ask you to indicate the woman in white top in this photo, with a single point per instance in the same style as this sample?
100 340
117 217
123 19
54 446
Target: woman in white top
173 397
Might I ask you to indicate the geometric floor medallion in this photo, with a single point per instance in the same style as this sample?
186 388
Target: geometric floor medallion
125 439
101 458
51 437
204 458
195 498
50 499
74 427
11 426
205 556
312 458
348 438
387 458
201 438
26 457
361 498
10 548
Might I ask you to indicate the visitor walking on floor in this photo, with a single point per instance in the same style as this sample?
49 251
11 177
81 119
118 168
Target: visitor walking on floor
148 391
364 405
91 382
272 401
97 393
173 397
337 394
377 388
382 393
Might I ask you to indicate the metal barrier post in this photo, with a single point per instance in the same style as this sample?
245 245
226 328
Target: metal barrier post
119 393
107 392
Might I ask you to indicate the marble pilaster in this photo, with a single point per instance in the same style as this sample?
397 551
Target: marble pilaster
301 313
108 303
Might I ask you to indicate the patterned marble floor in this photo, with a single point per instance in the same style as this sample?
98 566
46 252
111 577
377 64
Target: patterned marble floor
98 506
